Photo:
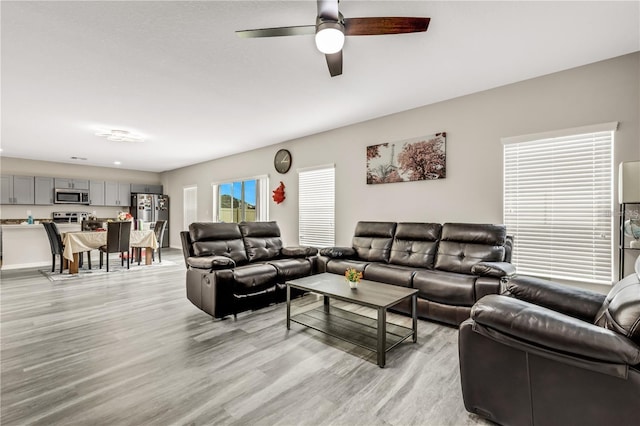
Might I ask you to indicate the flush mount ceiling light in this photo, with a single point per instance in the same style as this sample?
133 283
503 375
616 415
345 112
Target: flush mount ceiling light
120 135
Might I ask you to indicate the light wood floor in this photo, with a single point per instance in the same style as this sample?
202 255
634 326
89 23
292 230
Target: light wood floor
130 349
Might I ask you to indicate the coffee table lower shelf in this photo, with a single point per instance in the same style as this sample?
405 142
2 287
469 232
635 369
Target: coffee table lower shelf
351 327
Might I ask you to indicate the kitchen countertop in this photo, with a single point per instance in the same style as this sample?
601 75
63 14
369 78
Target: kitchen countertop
26 246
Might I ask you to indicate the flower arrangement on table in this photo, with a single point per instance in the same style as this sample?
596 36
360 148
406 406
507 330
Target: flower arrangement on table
353 276
124 216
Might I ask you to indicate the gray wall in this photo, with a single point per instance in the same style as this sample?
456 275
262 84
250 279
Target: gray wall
472 191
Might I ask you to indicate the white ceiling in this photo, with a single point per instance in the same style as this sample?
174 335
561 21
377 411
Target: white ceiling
175 71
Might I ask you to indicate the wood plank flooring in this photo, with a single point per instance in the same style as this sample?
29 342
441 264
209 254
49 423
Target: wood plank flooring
130 349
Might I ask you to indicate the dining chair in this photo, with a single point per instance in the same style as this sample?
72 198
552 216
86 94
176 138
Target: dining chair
158 230
118 237
56 246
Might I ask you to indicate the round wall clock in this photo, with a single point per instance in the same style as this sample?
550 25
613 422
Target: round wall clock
282 161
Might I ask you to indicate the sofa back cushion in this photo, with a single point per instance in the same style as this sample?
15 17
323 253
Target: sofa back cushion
462 245
261 240
415 244
620 311
372 240
218 239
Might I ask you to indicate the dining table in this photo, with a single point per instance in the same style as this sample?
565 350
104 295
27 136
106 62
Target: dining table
81 241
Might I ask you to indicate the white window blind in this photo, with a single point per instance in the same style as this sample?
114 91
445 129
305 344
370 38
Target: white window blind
316 203
190 206
557 204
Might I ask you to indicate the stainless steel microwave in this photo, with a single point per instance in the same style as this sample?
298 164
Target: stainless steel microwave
70 196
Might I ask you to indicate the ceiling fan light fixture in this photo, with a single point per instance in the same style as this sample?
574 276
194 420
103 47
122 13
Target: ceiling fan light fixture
329 37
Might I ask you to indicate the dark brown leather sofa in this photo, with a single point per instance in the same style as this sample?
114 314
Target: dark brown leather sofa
548 354
234 267
452 265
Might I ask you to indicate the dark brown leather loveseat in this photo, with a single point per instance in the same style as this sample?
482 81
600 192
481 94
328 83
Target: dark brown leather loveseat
548 354
452 265
237 267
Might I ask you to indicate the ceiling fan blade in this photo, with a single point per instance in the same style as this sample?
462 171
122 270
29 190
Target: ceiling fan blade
278 32
328 9
385 25
334 61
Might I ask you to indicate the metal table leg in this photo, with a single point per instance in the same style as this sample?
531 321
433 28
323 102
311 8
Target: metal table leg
327 306
414 316
382 337
288 307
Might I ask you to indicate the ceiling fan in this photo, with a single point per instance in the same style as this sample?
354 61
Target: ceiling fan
331 28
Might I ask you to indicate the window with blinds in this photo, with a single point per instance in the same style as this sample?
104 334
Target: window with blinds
190 206
558 200
316 201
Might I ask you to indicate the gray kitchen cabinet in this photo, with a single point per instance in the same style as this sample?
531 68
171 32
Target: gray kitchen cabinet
117 194
43 190
6 189
96 193
16 190
145 188
124 190
72 183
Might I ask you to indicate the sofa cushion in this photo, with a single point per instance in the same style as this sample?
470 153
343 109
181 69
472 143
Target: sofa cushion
289 269
338 252
493 269
620 311
338 266
218 239
372 240
206 231
210 262
477 233
463 245
254 277
445 287
299 251
415 244
261 240
388 273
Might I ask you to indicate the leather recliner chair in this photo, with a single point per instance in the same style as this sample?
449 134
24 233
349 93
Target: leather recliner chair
543 353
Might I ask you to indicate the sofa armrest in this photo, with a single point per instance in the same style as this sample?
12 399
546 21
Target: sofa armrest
579 303
211 263
543 327
299 251
338 252
494 269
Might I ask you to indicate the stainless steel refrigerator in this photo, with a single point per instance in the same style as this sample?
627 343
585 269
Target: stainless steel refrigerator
149 208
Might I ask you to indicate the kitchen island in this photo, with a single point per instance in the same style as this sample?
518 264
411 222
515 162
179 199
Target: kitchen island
27 246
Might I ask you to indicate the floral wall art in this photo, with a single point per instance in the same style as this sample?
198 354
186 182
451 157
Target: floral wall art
421 158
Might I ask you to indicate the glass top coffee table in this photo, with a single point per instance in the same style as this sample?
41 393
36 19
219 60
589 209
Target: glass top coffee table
373 334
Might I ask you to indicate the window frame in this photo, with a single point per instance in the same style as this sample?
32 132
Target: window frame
533 195
262 203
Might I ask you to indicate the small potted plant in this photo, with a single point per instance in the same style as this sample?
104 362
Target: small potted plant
353 277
